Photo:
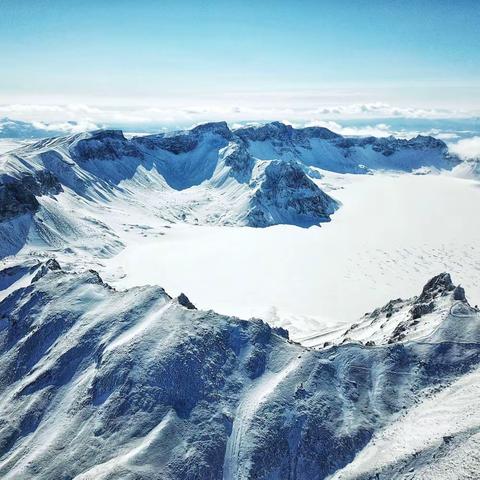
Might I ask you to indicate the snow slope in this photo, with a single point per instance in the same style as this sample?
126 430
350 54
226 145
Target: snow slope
438 438
7 144
103 384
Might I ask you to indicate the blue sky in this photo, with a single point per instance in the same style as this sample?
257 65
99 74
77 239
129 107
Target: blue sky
241 54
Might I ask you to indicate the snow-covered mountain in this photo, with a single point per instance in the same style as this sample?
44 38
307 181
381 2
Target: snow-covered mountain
405 320
103 384
253 176
469 169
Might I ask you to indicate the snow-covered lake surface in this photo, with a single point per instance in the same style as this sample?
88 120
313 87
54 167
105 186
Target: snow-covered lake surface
392 233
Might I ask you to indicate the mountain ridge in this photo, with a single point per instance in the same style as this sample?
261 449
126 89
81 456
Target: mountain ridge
99 383
211 174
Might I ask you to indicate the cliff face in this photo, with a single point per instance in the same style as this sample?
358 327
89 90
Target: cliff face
18 196
285 194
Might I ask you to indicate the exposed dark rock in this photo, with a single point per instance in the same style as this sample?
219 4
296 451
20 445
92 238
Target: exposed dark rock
183 141
287 195
420 309
18 194
50 265
439 285
218 128
240 161
176 144
103 145
280 132
185 302
459 294
282 332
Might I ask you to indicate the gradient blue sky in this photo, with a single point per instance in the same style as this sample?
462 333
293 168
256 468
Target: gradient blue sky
421 54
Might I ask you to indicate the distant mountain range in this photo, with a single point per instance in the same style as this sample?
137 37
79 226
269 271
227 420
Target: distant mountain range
211 174
18 129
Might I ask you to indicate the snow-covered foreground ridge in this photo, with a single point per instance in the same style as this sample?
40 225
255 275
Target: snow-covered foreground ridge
56 192
103 384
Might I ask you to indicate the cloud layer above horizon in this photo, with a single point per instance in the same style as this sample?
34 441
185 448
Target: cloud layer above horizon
460 130
169 116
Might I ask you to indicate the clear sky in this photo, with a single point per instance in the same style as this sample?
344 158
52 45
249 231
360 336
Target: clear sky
236 54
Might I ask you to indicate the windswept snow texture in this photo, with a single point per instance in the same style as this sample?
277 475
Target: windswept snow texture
252 176
103 384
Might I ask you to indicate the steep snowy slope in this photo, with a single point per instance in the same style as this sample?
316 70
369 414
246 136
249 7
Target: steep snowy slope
468 169
97 383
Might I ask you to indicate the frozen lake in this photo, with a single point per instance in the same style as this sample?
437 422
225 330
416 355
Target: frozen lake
392 233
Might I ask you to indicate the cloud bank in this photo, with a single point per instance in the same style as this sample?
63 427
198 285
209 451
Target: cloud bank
189 114
355 119
467 148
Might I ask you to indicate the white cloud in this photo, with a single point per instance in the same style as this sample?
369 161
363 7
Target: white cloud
211 111
354 119
468 148
378 130
66 127
384 110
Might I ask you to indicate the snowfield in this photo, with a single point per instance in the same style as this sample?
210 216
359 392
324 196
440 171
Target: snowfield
392 232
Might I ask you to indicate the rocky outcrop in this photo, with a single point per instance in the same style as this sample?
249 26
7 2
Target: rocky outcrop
51 265
285 194
103 145
238 160
184 141
183 300
281 132
402 320
18 195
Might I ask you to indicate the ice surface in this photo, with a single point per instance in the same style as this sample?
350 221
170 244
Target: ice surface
391 233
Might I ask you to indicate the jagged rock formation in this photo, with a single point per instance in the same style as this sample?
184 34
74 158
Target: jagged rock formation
403 320
285 194
97 383
18 195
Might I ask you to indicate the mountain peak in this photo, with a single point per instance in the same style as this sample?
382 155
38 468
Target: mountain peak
440 284
104 134
402 320
220 128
